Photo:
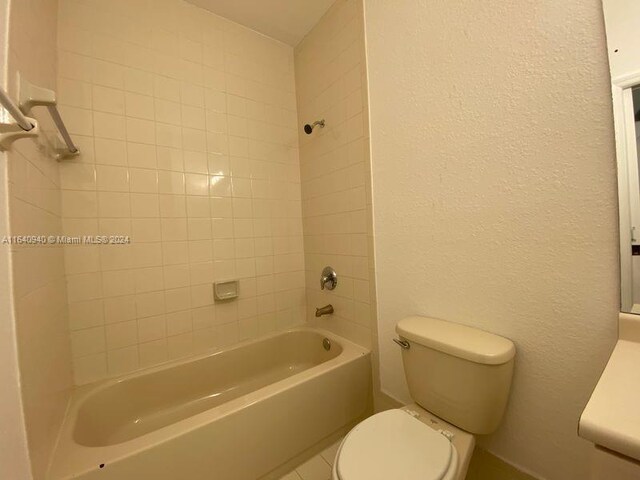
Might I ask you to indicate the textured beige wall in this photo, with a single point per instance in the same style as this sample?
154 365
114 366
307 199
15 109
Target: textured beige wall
495 200
187 124
335 171
39 292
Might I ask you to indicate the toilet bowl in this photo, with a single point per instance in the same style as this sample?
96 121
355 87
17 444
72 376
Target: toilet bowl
459 378
404 444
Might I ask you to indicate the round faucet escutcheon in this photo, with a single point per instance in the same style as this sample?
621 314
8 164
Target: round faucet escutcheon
328 279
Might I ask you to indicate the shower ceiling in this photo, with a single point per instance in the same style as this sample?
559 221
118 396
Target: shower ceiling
285 20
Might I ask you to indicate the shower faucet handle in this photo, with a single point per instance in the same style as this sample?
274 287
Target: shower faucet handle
328 279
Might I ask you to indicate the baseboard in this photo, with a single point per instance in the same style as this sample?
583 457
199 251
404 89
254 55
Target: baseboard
485 466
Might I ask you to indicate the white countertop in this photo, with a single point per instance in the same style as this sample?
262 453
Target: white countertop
611 418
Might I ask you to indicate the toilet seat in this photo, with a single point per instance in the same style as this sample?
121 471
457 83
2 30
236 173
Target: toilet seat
395 445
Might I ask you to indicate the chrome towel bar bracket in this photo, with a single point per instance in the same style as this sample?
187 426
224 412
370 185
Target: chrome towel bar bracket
22 127
10 132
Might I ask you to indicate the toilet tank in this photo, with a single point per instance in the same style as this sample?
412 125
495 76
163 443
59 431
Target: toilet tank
459 373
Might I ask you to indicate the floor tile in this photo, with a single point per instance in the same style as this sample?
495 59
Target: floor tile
329 453
291 476
315 469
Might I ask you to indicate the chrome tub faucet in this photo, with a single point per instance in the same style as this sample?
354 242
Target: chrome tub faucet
326 310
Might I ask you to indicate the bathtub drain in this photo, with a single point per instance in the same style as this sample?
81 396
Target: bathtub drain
326 343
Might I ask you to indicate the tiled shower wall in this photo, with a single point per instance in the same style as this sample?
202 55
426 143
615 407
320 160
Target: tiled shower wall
39 294
336 171
187 127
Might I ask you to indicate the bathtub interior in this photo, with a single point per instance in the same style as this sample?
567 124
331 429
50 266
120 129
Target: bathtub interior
132 407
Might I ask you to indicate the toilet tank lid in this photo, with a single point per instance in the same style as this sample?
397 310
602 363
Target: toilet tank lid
457 340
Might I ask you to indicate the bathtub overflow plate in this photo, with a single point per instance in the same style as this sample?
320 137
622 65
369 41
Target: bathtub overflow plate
326 343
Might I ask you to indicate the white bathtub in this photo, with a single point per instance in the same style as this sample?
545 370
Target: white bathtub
235 414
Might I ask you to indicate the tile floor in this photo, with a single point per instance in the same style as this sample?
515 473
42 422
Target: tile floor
316 468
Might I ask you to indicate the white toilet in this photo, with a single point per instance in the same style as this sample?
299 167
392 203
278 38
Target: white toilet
459 378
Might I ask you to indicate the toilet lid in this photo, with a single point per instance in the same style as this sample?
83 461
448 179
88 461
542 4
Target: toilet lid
393 445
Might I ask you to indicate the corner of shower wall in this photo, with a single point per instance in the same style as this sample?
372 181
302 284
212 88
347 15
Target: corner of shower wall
331 84
38 274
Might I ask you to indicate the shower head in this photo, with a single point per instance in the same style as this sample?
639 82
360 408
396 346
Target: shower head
309 128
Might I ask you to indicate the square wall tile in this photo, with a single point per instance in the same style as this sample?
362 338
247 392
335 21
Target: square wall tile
185 138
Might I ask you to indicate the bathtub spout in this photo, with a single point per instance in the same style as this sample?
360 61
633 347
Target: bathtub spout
326 310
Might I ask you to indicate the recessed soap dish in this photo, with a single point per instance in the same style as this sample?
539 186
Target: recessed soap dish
225 290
